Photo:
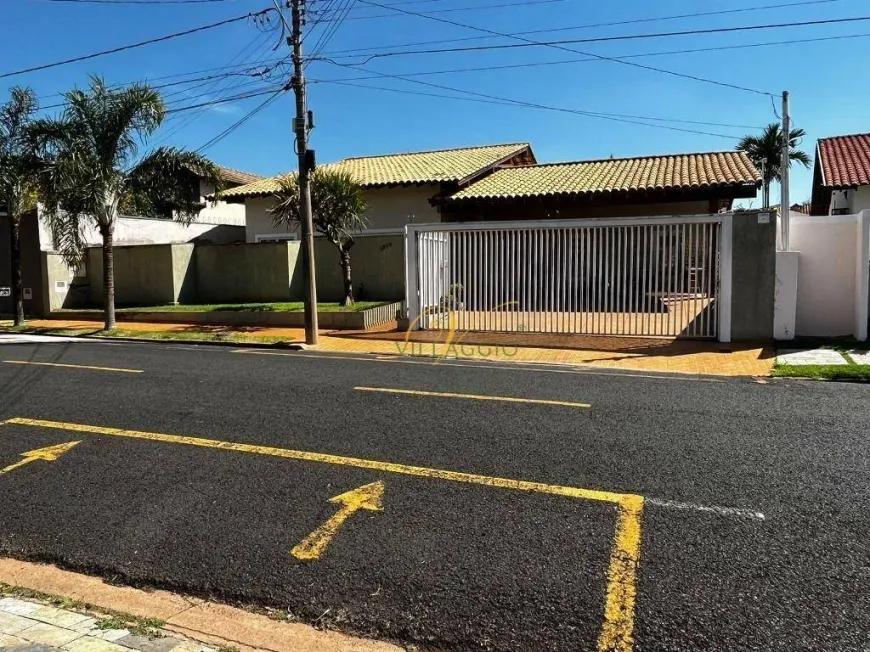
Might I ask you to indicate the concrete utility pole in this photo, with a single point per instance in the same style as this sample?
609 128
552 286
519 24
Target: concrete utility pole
300 127
784 204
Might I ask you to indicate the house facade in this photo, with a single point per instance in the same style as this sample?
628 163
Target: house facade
841 175
683 184
399 189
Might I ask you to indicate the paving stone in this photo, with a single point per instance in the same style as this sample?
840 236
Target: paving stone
18 607
149 644
49 634
35 647
810 356
12 624
109 634
191 646
59 617
93 644
86 625
8 641
860 357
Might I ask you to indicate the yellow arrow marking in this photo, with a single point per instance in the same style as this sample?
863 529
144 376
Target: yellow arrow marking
47 454
368 496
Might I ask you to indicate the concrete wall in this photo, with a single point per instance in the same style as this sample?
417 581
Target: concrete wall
145 274
377 264
248 272
753 276
388 208
64 287
31 265
826 275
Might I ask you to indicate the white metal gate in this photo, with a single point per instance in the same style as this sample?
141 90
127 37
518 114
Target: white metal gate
651 276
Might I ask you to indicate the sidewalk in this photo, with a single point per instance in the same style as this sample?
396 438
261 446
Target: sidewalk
626 353
45 609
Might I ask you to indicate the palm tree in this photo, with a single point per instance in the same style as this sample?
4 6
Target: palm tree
93 149
765 151
337 204
19 167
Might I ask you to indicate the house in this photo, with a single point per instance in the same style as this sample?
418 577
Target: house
49 284
841 176
399 189
682 184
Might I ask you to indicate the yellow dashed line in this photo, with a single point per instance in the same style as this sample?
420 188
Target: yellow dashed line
75 366
476 397
617 631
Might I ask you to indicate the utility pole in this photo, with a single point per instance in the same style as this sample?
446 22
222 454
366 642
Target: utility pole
785 204
306 159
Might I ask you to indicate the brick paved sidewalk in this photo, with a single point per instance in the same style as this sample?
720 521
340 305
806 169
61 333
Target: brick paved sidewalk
32 626
627 353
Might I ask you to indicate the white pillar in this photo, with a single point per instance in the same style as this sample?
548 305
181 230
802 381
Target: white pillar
862 276
785 295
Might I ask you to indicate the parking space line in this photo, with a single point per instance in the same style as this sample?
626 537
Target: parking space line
617 631
75 366
476 397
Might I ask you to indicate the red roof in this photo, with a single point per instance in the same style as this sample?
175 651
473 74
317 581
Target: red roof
845 161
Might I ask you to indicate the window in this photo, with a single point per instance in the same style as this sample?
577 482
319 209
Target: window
275 237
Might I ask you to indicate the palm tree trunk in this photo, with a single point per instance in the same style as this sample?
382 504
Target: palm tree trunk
17 280
345 269
108 233
766 196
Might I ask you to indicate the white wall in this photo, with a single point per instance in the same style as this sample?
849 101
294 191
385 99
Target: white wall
147 230
826 304
219 212
854 201
388 208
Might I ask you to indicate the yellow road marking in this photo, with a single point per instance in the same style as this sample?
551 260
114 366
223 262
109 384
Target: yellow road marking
368 497
47 454
617 632
476 397
75 366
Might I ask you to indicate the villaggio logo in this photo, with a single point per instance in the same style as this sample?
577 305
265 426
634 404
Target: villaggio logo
453 347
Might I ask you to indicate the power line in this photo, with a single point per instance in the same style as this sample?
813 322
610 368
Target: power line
136 45
590 26
512 102
226 132
137 2
534 64
235 98
588 54
521 3
530 43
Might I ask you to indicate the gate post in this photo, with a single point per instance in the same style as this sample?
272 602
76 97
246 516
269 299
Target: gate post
412 292
725 277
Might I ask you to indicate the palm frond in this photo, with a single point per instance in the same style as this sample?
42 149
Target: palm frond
169 179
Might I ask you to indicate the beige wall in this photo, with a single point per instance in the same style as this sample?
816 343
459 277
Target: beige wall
248 272
144 274
377 263
64 287
826 274
388 208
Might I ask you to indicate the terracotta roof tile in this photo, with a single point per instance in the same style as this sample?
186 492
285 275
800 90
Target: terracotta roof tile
237 176
399 169
845 161
704 170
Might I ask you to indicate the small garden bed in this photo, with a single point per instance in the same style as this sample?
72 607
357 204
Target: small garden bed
359 316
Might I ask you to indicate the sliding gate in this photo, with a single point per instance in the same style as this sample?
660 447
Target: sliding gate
667 277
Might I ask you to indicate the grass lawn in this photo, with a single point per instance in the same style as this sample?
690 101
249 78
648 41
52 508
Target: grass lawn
849 373
286 306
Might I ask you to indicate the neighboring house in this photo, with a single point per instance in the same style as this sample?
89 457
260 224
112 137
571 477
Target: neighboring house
683 184
400 189
841 177
50 284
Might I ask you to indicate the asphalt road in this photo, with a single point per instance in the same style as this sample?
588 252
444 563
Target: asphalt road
450 564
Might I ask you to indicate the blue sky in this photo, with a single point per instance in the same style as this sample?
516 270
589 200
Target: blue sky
827 96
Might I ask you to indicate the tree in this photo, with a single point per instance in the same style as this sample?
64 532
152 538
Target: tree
765 151
337 204
19 168
93 149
